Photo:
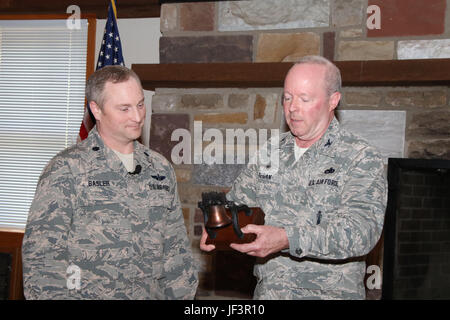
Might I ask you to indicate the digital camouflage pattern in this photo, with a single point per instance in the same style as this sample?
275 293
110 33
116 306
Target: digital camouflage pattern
125 232
331 202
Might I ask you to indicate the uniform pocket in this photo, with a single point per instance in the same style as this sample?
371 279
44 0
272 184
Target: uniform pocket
101 230
160 198
319 279
102 212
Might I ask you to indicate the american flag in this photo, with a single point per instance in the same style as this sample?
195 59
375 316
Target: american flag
110 54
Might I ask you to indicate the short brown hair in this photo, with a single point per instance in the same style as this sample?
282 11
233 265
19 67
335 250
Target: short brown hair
96 83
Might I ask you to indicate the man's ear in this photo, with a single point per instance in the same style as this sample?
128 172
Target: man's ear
334 100
96 110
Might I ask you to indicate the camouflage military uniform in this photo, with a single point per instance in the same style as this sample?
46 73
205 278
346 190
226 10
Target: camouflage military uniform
331 202
125 232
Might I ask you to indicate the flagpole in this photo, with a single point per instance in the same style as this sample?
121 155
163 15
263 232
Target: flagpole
113 3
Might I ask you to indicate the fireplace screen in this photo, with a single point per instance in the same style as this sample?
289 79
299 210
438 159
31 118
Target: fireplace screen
417 230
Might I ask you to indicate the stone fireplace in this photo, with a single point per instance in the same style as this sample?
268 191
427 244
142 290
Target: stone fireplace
403 121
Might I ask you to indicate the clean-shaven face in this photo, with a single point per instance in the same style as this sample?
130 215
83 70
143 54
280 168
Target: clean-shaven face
122 115
307 107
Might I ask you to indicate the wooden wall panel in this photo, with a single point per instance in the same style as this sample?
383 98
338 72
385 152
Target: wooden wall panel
11 242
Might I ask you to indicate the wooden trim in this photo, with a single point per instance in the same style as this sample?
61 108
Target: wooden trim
211 75
90 58
11 242
395 72
125 9
258 75
43 16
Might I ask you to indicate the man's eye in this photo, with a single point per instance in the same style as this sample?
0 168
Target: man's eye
123 109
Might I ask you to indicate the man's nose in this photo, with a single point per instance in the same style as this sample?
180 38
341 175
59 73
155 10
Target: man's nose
138 114
295 104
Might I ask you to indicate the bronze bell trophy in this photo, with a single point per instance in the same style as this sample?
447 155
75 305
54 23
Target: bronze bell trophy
223 221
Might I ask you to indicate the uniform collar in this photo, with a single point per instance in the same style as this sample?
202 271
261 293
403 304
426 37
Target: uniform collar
325 145
101 154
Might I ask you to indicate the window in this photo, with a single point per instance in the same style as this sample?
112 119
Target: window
42 83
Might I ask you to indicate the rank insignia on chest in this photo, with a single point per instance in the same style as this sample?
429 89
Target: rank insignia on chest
158 177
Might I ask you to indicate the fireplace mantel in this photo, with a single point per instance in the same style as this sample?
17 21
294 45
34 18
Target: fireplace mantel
264 75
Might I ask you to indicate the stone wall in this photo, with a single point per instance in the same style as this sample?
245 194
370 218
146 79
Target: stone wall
275 31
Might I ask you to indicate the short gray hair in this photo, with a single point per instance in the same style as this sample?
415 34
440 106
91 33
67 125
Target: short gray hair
96 83
333 75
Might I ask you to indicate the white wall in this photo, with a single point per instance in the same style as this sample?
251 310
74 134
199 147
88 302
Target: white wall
140 44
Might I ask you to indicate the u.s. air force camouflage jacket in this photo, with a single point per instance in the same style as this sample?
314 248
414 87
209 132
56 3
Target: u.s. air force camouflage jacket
95 231
331 203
